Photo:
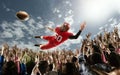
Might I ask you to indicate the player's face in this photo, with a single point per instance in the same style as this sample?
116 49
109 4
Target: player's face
64 27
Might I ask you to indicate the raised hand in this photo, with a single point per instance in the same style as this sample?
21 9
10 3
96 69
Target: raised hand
82 25
3 48
88 35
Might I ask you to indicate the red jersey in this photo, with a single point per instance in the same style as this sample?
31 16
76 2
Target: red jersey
61 36
57 39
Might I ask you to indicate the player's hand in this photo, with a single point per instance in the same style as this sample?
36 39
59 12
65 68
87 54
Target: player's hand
82 26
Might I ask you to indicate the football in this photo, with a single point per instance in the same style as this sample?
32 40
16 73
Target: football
22 15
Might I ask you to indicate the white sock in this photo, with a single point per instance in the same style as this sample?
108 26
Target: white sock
41 37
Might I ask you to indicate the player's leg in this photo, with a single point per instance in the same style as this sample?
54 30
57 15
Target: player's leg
50 43
45 37
48 38
39 37
37 45
42 37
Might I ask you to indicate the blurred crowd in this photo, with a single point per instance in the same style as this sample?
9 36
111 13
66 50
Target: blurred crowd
98 56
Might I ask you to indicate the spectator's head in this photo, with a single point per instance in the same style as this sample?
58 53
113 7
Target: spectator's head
74 59
111 48
9 68
70 69
29 66
96 48
114 59
65 27
50 67
43 66
96 58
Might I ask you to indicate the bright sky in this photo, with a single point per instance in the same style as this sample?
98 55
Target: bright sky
97 11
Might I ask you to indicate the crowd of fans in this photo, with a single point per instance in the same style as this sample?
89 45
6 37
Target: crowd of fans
98 56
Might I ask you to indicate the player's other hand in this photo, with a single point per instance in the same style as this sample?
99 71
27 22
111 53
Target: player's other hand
82 25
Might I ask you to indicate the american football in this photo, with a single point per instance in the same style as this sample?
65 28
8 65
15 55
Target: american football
22 15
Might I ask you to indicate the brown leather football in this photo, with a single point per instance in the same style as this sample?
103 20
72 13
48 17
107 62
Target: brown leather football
22 15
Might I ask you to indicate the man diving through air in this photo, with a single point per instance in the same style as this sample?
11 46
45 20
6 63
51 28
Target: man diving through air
61 35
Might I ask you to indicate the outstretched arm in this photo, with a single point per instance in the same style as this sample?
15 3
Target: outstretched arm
82 26
52 29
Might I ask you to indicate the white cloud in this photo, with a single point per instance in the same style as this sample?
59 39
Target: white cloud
11 29
106 25
32 23
59 16
18 33
6 34
51 25
56 10
76 41
101 28
20 30
68 3
66 44
7 9
70 12
110 19
69 19
5 25
39 25
114 22
39 18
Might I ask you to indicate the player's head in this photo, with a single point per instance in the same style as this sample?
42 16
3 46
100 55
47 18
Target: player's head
65 26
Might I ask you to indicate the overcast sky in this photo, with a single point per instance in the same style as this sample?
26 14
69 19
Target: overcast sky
98 14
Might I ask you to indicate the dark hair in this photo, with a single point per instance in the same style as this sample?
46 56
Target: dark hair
29 66
96 48
96 58
74 59
69 69
114 59
50 67
9 68
111 48
43 65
